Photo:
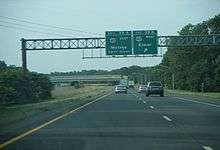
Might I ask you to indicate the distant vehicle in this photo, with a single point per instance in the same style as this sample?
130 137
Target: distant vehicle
120 89
142 88
154 87
124 82
131 84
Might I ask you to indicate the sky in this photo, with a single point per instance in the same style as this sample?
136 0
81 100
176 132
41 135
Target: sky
96 16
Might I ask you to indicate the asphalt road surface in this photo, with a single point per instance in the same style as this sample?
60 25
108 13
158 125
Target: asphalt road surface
131 122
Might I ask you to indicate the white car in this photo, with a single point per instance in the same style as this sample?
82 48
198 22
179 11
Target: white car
142 88
120 89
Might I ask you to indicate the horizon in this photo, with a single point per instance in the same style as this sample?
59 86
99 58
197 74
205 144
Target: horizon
167 17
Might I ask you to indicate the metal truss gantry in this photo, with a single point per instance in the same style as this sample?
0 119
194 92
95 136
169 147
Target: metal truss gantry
99 43
67 43
93 43
189 40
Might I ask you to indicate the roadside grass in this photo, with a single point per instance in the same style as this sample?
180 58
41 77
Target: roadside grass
63 99
212 95
70 91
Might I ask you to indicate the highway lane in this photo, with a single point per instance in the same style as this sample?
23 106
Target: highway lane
200 121
131 121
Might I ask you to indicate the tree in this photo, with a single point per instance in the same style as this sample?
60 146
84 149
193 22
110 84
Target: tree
3 65
17 87
193 66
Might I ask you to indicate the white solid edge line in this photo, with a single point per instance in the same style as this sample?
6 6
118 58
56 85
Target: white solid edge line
152 107
198 102
167 118
207 147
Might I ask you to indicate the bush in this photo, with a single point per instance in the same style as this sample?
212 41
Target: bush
76 84
17 87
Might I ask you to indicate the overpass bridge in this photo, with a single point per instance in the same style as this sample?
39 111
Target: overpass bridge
87 79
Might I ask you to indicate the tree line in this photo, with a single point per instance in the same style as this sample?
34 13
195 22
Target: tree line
136 73
194 68
17 87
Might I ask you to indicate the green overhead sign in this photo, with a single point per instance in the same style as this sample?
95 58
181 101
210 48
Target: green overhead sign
145 42
118 43
131 42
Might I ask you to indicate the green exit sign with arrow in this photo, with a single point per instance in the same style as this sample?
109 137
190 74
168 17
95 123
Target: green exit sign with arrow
145 42
131 42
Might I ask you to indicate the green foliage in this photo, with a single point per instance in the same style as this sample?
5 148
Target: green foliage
17 87
127 71
193 66
77 84
74 83
121 71
83 72
3 65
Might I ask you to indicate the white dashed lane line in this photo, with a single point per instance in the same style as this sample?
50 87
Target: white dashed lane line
207 148
167 118
144 102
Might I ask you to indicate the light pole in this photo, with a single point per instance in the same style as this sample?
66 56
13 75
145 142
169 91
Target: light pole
173 81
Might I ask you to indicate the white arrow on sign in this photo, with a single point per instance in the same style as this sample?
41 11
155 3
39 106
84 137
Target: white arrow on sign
145 50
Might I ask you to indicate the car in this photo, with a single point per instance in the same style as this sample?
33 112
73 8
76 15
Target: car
142 88
154 87
120 89
131 84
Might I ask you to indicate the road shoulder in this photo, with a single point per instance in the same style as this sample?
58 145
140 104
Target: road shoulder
197 98
36 118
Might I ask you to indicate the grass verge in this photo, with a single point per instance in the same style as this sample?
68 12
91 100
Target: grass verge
64 98
211 95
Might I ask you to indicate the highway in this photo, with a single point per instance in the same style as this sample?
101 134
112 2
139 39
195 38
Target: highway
131 122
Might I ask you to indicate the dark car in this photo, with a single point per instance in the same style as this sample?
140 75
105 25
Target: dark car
120 89
154 87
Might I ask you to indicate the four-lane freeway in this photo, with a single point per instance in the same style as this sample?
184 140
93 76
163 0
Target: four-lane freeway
130 122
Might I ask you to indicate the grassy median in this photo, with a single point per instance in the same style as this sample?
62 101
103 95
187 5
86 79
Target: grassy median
64 98
211 95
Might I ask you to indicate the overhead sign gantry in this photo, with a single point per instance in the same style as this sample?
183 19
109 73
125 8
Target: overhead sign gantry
117 44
